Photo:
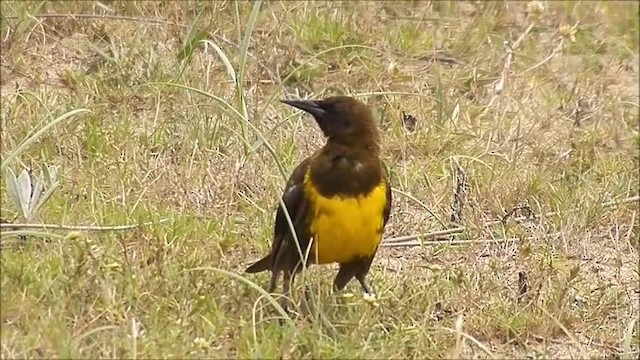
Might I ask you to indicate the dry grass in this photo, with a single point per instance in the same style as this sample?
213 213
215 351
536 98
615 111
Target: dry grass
560 135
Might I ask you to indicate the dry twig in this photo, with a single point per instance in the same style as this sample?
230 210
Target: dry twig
407 240
79 227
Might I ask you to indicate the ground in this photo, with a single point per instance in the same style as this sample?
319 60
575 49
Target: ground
513 123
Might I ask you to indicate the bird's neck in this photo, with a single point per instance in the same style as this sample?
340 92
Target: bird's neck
362 145
340 169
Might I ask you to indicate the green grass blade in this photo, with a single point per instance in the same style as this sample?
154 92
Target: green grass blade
30 140
231 110
627 352
225 59
32 233
14 191
242 55
252 285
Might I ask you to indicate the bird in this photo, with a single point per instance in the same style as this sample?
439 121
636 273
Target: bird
338 200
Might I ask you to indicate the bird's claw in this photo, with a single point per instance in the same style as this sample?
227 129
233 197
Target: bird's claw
371 299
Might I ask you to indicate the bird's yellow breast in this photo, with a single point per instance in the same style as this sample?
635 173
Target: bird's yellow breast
345 228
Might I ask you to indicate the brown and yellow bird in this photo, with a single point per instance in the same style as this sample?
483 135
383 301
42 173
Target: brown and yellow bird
338 199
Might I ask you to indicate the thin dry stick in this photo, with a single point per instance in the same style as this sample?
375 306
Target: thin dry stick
509 49
457 242
460 229
498 85
427 235
79 227
525 33
459 193
553 53
440 242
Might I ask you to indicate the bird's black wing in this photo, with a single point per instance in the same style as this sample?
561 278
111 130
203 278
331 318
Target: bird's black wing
295 202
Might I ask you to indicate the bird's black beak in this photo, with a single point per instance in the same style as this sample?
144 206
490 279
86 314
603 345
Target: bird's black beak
310 106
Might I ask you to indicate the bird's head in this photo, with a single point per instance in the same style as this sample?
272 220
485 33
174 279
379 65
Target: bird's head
342 119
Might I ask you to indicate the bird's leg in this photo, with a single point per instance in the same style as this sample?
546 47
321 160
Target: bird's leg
365 284
369 294
286 285
310 303
274 280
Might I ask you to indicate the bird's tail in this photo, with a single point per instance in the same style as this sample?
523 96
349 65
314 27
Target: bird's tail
261 265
